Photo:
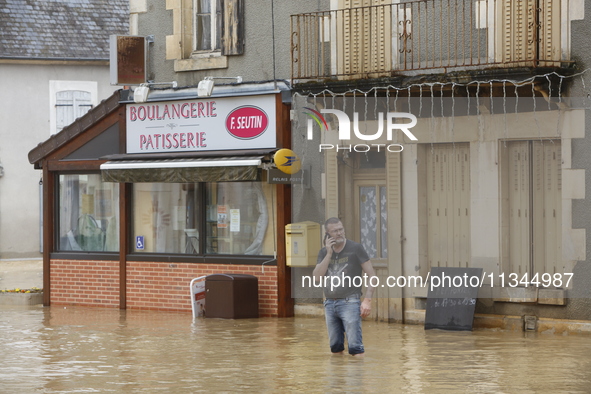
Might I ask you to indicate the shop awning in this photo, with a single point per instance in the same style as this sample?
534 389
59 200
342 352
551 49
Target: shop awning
221 169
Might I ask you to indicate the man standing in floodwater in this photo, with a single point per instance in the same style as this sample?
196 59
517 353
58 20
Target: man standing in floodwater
343 308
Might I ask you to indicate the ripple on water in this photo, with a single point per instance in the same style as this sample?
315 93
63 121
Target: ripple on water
102 350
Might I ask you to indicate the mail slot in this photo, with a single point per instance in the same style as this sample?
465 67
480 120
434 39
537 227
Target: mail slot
302 241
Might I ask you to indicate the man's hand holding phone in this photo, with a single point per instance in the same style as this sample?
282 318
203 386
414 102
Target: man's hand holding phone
329 242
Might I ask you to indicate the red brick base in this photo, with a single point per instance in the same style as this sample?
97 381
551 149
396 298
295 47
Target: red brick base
150 285
87 283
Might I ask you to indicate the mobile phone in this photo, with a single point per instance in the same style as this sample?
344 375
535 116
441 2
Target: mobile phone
326 236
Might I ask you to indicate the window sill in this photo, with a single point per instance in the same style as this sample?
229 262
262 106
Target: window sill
81 255
204 259
532 295
203 63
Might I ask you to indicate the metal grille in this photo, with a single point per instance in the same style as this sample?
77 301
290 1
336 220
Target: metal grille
384 39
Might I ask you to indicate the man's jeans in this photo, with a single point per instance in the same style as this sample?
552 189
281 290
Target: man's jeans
342 316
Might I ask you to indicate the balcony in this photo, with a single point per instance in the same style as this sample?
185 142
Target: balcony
425 37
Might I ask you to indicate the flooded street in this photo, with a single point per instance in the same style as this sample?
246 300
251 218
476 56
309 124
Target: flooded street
83 350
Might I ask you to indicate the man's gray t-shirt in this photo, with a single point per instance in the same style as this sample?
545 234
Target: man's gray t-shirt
346 265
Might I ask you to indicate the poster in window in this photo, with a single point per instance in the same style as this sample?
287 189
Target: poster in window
88 207
235 220
222 216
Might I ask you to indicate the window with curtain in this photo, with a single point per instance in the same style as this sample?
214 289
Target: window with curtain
373 220
88 214
207 26
210 31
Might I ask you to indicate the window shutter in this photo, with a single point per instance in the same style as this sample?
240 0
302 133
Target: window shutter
549 30
448 199
519 206
70 105
547 209
530 30
364 37
518 30
233 27
331 169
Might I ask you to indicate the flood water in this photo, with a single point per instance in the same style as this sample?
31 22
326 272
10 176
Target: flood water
90 350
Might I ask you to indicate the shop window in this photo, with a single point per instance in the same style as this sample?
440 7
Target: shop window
166 217
88 214
237 218
171 218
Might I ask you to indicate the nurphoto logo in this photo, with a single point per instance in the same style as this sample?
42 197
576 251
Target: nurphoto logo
391 119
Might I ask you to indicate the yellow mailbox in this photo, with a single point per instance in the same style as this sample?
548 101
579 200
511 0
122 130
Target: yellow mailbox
302 243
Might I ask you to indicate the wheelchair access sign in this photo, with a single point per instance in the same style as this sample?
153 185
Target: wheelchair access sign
139 242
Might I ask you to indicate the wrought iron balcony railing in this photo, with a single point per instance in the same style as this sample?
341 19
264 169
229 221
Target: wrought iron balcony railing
425 36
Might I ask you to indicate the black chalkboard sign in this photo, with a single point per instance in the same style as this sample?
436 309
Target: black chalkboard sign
451 299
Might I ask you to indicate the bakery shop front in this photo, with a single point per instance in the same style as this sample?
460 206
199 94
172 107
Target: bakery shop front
140 198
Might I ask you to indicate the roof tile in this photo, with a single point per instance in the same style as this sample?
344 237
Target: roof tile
77 29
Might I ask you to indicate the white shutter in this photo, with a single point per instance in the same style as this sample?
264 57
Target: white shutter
461 207
535 207
70 105
363 37
332 184
549 30
394 235
528 30
434 190
448 204
547 202
519 207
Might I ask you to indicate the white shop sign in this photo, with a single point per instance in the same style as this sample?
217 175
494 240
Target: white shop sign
226 123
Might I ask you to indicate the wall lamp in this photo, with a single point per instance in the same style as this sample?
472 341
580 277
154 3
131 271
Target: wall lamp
140 94
205 87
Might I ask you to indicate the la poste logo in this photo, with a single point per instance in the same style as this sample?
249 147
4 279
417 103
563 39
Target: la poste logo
247 122
287 161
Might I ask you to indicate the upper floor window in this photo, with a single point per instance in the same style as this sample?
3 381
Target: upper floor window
205 32
70 105
207 25
69 100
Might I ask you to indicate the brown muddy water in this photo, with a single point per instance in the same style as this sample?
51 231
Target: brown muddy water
89 350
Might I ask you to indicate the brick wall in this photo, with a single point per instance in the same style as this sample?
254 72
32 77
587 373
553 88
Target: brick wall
150 285
165 286
86 283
